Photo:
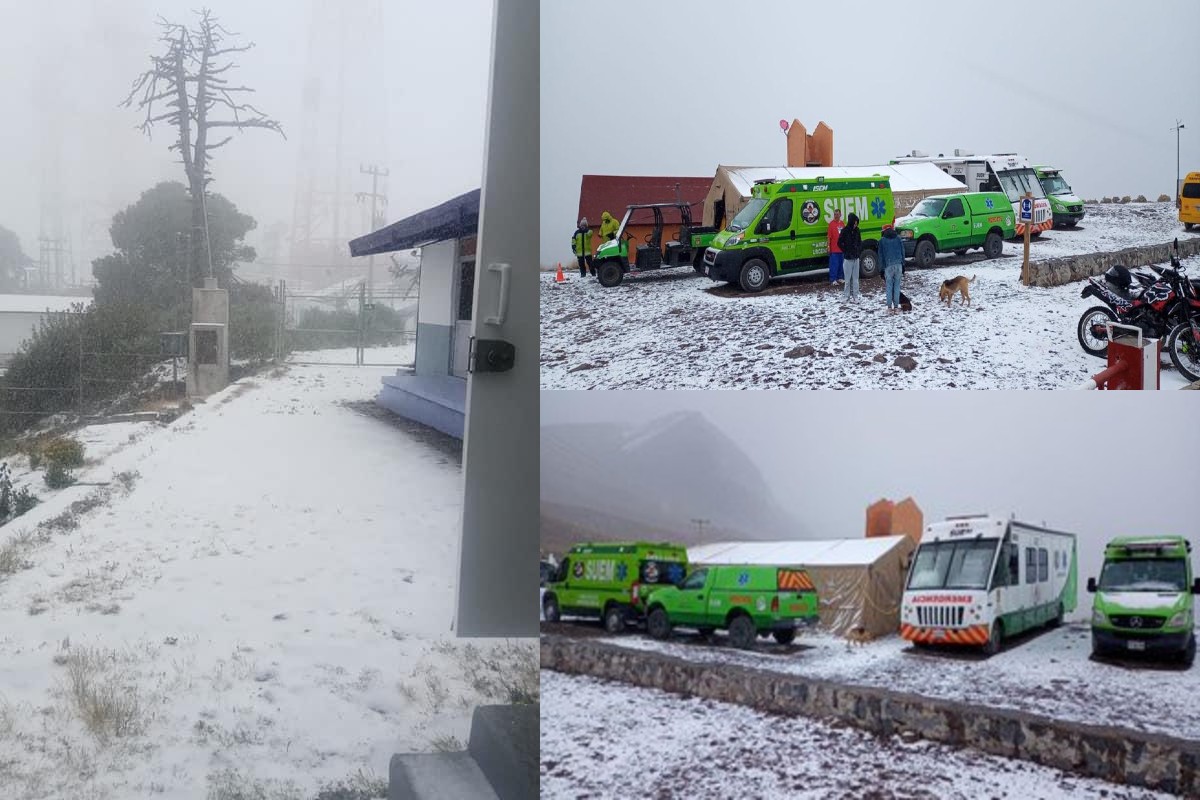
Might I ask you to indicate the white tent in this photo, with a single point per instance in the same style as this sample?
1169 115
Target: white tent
910 184
859 581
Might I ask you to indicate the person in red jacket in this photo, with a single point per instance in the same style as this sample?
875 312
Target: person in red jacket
835 252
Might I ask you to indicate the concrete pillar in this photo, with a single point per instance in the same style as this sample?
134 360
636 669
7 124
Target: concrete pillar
208 341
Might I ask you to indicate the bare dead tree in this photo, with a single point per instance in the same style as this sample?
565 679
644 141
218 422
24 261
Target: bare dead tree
186 87
401 271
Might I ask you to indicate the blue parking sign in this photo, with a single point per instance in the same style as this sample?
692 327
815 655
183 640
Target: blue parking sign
1026 209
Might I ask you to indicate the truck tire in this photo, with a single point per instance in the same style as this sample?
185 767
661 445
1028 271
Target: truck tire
995 636
658 624
925 252
610 274
550 608
785 637
993 245
868 264
698 263
754 275
614 618
741 632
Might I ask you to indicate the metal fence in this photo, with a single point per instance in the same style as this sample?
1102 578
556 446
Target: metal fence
349 326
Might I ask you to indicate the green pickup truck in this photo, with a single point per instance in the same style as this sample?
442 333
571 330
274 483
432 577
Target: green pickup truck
747 600
957 223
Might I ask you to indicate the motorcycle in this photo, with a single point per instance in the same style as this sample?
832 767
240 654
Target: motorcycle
1157 304
1183 342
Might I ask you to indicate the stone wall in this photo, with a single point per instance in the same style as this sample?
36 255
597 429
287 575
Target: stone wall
1156 761
1057 271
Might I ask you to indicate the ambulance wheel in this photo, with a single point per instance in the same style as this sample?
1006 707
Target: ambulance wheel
868 264
785 637
924 253
993 245
550 608
994 638
1188 657
614 618
610 274
658 624
755 275
1057 619
1091 344
741 632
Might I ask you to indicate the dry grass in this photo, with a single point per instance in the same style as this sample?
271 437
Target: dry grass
447 744
108 706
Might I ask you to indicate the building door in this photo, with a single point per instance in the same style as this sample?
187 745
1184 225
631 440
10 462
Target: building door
499 546
464 280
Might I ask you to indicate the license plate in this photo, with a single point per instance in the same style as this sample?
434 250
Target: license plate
1134 645
939 634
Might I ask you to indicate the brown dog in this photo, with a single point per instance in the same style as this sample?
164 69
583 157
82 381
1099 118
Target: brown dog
956 284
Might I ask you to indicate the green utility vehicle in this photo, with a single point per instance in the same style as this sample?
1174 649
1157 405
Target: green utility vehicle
956 223
782 229
1065 206
748 600
612 257
1144 599
607 580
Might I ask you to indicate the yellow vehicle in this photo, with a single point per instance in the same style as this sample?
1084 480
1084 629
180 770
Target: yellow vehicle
1189 201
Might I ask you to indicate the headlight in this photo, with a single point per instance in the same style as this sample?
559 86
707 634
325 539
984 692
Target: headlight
906 234
736 239
1179 620
1098 617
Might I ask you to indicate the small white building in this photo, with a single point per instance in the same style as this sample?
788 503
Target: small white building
20 315
434 391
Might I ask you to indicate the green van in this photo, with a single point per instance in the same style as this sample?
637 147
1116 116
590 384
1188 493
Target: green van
1144 598
606 580
956 223
782 229
747 600
1065 206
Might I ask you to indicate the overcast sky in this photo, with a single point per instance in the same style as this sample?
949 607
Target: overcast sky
1099 466
676 88
426 65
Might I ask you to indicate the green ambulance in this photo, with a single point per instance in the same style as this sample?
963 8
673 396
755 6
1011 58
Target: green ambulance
956 223
1145 598
782 229
1065 206
747 600
607 580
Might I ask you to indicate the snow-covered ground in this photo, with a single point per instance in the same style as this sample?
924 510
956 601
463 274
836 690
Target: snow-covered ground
259 602
677 330
1049 674
388 355
602 739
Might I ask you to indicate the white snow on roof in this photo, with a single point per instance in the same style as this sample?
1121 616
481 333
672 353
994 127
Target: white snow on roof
38 303
904 177
822 553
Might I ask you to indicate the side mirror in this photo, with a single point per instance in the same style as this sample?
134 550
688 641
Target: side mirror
1091 585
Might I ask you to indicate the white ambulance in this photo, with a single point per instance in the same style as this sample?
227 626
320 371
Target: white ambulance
1004 172
976 580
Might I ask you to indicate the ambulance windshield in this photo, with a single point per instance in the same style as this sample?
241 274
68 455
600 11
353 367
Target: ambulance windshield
1144 575
1054 184
953 565
929 208
747 214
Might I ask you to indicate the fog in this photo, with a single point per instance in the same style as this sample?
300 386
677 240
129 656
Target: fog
415 79
676 88
1093 464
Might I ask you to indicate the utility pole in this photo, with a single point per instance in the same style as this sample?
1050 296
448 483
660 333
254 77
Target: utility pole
1178 127
700 523
377 212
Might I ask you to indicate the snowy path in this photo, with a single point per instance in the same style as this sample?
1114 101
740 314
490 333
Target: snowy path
670 747
1049 674
677 330
275 592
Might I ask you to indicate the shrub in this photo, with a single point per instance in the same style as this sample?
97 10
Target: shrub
1125 199
23 501
253 316
1162 198
1106 199
58 476
1141 198
64 452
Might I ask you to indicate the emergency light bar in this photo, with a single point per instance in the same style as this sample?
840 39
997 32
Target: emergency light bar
1157 545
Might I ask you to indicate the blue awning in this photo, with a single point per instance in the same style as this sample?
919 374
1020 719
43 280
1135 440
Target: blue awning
452 219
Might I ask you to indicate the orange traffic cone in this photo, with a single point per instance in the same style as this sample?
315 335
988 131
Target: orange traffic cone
559 277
